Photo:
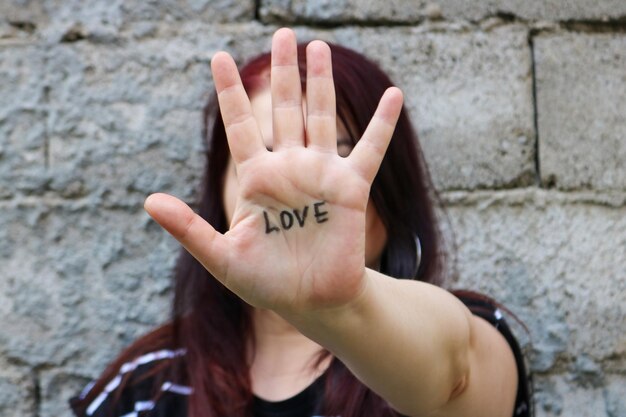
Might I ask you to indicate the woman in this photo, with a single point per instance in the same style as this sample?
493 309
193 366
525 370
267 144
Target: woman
284 305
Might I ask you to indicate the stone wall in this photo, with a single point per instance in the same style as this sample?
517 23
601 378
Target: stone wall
521 108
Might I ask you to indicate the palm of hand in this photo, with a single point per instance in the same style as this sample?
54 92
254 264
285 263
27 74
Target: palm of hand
297 236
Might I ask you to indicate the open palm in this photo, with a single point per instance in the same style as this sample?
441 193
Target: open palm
297 236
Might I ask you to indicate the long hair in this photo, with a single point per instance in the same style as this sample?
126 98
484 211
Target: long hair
214 325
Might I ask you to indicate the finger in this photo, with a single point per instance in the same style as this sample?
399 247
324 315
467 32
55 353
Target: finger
321 121
287 121
370 150
242 130
204 243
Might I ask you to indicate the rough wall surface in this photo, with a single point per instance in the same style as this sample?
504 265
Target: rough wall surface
519 105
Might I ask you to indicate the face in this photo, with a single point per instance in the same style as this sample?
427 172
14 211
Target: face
375 232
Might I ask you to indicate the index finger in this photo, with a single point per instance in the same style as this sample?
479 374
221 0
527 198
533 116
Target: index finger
369 152
242 131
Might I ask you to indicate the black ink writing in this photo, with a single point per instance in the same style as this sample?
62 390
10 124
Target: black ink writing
287 217
301 220
268 227
320 216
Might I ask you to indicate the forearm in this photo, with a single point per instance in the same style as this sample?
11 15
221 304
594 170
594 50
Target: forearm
406 340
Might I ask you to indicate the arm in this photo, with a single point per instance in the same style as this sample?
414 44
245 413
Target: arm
413 343
420 348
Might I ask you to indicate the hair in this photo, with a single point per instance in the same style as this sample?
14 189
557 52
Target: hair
214 325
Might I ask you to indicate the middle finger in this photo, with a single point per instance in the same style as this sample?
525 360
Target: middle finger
287 120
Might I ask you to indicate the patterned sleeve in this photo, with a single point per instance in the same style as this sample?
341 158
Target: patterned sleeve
487 309
134 392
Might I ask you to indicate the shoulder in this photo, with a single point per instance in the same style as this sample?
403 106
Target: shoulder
147 376
494 314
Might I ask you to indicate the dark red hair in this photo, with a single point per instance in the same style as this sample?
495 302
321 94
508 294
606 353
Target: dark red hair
214 325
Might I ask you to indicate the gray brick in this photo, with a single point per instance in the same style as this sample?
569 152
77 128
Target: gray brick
17 390
79 282
615 395
126 120
341 11
416 10
556 395
558 266
470 96
581 100
57 386
103 20
22 121
130 113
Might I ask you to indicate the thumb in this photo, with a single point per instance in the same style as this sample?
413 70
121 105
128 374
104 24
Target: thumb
200 239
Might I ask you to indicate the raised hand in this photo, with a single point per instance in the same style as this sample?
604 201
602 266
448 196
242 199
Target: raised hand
297 237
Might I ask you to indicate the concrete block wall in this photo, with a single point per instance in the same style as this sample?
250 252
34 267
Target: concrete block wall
520 106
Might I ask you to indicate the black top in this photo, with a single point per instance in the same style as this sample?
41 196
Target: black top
139 399
304 404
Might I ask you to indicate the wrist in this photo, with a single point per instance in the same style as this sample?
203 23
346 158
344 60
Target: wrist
330 325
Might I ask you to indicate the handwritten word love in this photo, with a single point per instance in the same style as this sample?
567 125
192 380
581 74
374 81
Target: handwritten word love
290 218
